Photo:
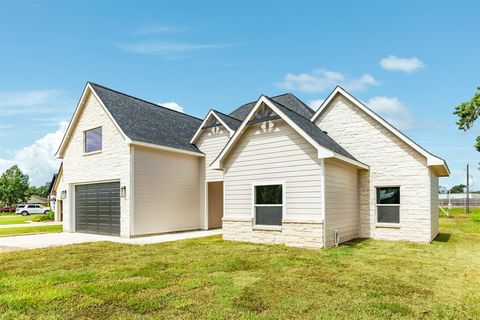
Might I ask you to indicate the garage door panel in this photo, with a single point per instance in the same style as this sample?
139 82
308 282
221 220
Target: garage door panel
97 208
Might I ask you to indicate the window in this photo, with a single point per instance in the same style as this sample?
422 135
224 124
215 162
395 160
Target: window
388 204
93 140
268 204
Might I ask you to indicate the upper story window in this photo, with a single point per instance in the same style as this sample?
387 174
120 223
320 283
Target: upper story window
268 204
93 140
388 204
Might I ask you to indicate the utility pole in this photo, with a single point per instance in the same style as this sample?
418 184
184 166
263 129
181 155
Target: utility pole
468 189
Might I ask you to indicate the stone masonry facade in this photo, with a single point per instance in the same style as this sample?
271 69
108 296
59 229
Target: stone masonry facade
307 234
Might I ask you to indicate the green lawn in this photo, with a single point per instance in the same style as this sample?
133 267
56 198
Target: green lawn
5 232
213 279
14 218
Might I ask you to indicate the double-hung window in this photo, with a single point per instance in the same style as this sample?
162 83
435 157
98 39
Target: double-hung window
268 204
93 140
388 204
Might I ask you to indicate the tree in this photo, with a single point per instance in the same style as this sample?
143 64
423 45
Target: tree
442 190
468 112
13 186
458 188
41 191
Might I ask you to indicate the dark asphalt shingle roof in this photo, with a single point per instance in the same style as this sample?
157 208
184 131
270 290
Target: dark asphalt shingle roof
313 131
231 122
148 122
289 100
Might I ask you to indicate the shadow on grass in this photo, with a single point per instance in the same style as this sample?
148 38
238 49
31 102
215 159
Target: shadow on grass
353 243
442 237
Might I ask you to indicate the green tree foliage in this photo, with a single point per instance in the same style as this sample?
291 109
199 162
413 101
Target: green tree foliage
458 188
13 186
41 191
468 112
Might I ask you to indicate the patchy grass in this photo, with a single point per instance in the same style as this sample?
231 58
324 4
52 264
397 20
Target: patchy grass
213 279
5 232
13 219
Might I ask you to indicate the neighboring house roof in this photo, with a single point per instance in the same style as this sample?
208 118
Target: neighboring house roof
37 199
148 122
288 100
325 145
432 160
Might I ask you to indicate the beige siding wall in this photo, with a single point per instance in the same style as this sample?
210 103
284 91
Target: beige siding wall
113 163
211 142
342 211
274 152
166 192
271 153
434 201
392 163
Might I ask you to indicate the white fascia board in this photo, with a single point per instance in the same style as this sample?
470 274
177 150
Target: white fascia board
322 151
199 130
432 160
76 115
164 148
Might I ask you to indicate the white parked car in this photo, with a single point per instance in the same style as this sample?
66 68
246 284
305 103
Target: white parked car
27 209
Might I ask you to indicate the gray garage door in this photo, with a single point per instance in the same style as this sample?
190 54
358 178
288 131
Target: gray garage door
97 208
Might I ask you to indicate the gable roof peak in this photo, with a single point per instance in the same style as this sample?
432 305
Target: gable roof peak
93 84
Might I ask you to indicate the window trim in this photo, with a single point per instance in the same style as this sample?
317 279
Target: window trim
284 201
388 224
85 153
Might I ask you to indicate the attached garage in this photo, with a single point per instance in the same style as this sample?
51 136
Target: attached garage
97 208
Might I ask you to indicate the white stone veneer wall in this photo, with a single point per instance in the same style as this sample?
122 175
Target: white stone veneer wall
112 163
293 233
392 163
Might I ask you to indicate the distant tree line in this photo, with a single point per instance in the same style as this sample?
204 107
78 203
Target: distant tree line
15 187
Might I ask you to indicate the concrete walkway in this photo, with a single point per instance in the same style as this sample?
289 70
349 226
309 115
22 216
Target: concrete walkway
30 224
64 238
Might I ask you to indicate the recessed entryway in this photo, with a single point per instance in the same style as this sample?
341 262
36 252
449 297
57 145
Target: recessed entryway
215 204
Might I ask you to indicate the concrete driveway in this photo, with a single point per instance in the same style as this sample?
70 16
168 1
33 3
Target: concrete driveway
46 240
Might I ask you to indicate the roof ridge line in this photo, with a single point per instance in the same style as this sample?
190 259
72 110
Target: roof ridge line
143 100
289 109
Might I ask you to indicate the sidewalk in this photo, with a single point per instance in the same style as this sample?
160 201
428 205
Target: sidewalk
64 238
29 224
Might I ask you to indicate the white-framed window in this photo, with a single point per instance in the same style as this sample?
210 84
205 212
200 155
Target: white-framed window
388 205
92 140
268 204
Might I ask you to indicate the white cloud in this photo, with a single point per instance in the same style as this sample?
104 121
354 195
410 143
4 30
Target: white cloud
315 104
38 160
321 79
394 63
157 28
166 48
32 102
172 105
392 110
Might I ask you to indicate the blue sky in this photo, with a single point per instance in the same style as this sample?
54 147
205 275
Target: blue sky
411 61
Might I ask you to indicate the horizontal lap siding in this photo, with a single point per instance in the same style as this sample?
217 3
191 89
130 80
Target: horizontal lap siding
341 202
211 143
280 154
166 190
